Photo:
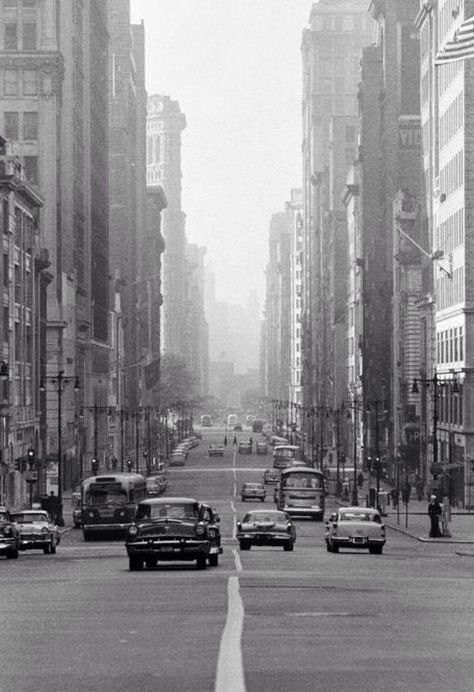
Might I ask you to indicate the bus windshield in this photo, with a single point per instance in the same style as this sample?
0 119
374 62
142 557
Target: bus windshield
99 494
302 480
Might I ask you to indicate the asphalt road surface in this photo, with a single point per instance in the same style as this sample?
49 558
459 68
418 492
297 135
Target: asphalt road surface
263 620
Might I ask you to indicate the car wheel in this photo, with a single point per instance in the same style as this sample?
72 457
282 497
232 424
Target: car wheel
151 562
376 550
12 554
53 549
87 536
243 499
334 548
201 562
244 545
213 560
77 526
328 547
288 547
135 564
47 549
262 499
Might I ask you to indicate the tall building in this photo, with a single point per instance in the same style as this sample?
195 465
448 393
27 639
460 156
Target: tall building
165 122
54 77
331 49
197 337
294 208
447 98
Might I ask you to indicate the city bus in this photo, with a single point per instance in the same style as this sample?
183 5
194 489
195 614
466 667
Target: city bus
301 492
206 421
109 503
284 454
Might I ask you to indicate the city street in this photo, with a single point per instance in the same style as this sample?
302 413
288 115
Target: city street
264 620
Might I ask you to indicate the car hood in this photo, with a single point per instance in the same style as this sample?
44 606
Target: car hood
34 527
167 527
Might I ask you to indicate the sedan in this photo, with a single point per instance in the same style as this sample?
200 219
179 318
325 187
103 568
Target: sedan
9 537
245 447
177 459
36 530
271 476
355 527
253 491
266 527
216 451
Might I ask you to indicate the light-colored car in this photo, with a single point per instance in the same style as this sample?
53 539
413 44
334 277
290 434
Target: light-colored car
216 451
262 448
355 527
182 449
266 527
177 459
36 530
271 476
253 491
244 447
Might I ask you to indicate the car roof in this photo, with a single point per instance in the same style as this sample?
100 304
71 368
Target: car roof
167 500
358 510
266 511
253 483
30 511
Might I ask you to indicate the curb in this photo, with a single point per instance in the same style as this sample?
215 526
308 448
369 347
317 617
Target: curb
461 554
421 539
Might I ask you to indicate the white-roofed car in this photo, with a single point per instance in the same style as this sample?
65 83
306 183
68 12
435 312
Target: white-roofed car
253 491
356 528
36 530
266 527
216 450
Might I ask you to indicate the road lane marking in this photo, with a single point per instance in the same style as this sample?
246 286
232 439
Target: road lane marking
230 670
232 506
238 562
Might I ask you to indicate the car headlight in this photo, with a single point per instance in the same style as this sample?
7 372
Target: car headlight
7 531
44 530
133 530
212 533
200 529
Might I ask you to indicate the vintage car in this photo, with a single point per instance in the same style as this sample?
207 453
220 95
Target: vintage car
177 459
191 442
355 527
216 451
262 448
37 531
244 447
9 536
214 533
271 476
253 491
238 427
183 449
266 527
76 503
153 486
172 529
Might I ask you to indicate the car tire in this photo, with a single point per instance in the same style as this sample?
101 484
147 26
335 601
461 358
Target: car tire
201 562
243 499
47 549
151 562
213 560
135 564
13 554
376 550
334 548
244 545
52 550
328 547
288 547
262 499
87 536
77 526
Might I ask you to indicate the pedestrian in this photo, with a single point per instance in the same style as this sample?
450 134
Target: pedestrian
395 495
406 490
419 487
235 440
251 443
225 441
360 479
434 512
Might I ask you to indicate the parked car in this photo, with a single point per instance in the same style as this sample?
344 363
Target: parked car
177 459
253 491
271 476
214 533
266 527
262 448
9 536
244 447
355 527
169 530
76 510
153 487
216 450
238 427
37 530
182 449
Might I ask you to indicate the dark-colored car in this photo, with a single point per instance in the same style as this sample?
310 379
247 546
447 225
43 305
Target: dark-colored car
244 447
271 476
214 533
266 527
76 510
238 427
9 538
262 448
172 529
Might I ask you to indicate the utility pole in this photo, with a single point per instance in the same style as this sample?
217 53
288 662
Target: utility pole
137 441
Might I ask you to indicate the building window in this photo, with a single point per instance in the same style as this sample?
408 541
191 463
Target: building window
30 125
29 3
30 164
6 271
29 35
10 83
30 82
10 37
6 325
6 217
11 125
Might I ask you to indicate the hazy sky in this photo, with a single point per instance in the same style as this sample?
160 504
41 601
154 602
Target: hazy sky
235 68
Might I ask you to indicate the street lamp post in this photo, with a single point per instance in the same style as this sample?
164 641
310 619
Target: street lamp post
60 380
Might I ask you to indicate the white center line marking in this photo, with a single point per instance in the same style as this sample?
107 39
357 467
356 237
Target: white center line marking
238 563
230 670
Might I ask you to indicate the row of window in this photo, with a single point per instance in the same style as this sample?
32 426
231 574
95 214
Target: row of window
18 4
446 15
450 345
19 35
20 126
20 82
452 120
450 233
153 150
450 291
451 176
342 22
450 405
446 74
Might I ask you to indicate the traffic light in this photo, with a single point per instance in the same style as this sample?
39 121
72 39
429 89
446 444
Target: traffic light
23 465
31 457
95 466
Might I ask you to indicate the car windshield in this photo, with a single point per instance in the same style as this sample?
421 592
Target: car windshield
3 517
176 510
252 486
265 517
302 480
359 516
101 494
29 518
